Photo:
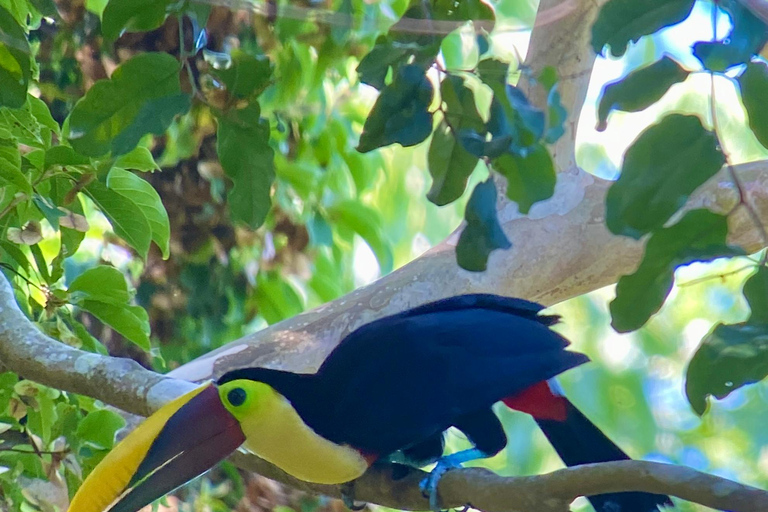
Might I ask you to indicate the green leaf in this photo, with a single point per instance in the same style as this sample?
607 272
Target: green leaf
275 298
64 156
664 165
143 195
49 210
248 75
699 236
449 163
530 178
130 321
747 36
127 219
248 160
622 21
366 222
640 89
15 68
138 159
134 16
98 429
756 293
101 283
556 117
10 166
729 357
143 96
24 126
482 234
753 83
401 112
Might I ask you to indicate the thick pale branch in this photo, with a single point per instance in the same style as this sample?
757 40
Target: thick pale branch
119 382
551 492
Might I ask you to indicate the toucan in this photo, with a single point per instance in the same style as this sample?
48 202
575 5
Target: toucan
387 393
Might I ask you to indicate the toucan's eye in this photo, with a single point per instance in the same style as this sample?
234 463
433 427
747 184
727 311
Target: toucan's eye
236 396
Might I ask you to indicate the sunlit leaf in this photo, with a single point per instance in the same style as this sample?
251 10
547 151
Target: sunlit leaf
662 167
620 22
98 428
130 321
482 233
127 219
247 75
142 96
143 195
10 166
699 236
101 283
138 159
248 160
275 298
640 89
366 222
753 83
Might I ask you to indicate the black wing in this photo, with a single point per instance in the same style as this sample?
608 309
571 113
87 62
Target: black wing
400 379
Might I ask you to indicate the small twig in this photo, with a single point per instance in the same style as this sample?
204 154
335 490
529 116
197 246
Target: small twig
712 277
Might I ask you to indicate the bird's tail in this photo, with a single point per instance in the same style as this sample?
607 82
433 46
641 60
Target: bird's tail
578 441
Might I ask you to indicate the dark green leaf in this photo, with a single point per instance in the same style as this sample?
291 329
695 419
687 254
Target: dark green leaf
101 283
449 163
747 36
729 357
530 178
622 21
753 83
248 160
365 222
41 263
15 68
128 221
98 428
133 16
64 156
375 66
401 112
143 195
450 166
483 233
24 126
756 293
699 236
664 165
143 96
248 75
639 89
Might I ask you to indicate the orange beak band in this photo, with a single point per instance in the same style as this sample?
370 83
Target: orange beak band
182 440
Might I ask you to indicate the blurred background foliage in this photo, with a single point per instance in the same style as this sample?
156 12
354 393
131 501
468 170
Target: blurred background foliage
339 220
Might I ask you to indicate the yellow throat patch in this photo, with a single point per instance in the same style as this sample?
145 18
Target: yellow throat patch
275 432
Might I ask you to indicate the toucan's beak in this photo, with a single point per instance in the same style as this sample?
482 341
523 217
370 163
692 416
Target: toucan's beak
182 440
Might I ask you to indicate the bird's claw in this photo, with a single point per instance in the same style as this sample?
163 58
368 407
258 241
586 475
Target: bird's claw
348 497
428 486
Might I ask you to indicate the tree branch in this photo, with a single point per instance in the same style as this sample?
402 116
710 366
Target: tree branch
119 382
550 492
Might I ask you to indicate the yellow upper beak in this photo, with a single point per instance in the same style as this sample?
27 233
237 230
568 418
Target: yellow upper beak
183 439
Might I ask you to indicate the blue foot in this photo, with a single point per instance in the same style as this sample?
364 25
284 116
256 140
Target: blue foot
348 497
428 486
